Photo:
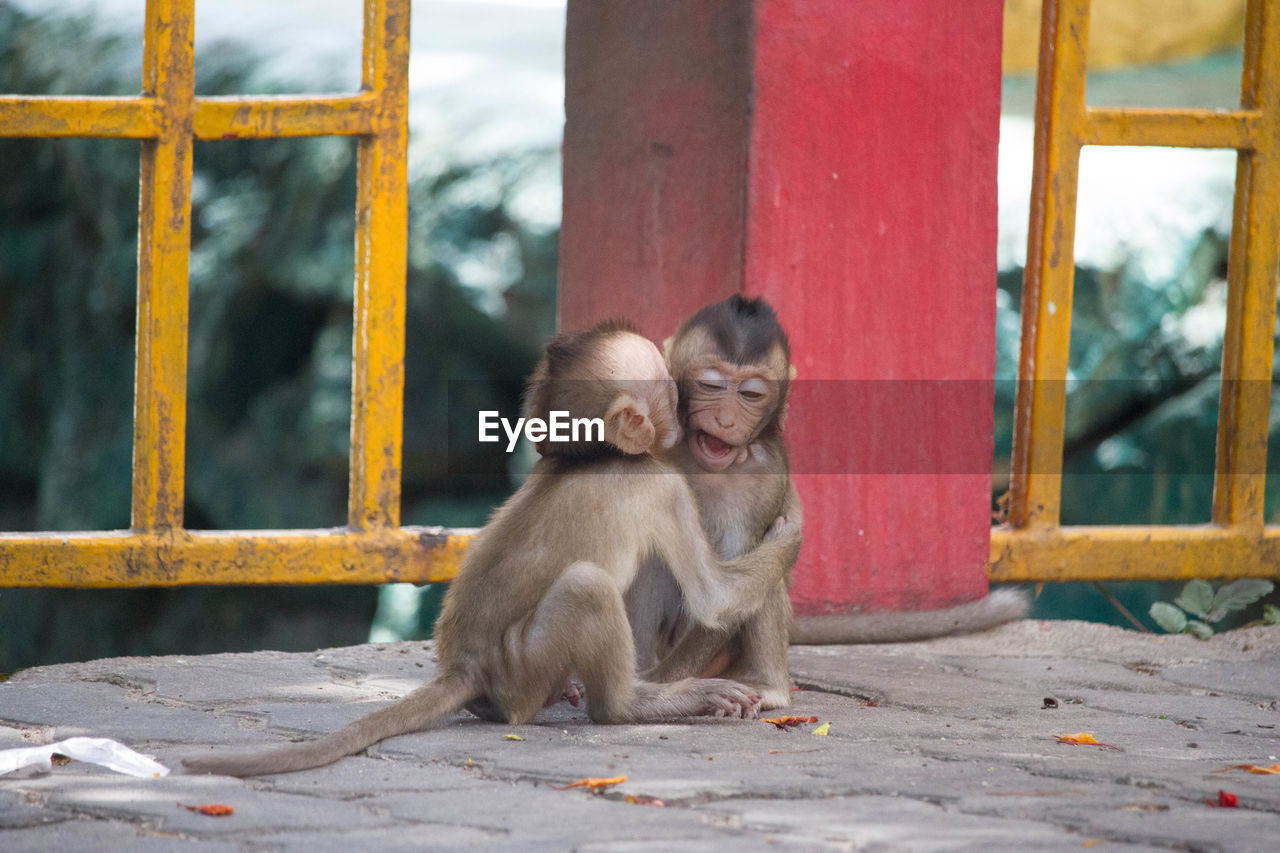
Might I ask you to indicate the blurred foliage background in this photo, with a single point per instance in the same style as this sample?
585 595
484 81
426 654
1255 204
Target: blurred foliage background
1153 228
270 340
270 348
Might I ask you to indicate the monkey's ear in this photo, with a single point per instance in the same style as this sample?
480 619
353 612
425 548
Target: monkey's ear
666 349
782 410
627 425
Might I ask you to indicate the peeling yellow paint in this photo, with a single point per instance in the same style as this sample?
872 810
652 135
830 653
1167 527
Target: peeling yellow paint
238 117
1032 546
374 549
1132 553
168 118
185 557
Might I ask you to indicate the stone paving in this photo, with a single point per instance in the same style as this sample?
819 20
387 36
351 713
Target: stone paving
942 745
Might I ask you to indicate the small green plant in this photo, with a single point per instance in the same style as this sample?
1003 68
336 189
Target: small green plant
1199 599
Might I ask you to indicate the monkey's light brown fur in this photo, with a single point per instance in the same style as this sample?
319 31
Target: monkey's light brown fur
539 594
732 364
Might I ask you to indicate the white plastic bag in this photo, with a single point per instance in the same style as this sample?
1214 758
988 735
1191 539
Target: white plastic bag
96 750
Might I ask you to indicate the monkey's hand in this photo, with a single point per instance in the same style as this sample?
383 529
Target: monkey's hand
785 534
783 529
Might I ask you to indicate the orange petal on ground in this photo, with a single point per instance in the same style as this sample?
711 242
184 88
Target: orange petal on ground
594 783
1273 770
212 809
1082 737
783 722
1085 739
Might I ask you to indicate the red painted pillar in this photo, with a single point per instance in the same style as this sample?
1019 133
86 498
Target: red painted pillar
838 158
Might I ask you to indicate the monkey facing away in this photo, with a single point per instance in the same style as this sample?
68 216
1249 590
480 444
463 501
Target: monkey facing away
732 365
539 596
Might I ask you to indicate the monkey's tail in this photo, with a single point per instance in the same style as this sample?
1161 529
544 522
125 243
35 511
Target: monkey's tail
428 705
999 607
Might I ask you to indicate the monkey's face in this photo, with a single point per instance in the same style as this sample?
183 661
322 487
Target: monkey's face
733 365
728 405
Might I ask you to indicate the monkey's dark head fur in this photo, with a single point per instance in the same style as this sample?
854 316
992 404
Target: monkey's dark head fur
744 330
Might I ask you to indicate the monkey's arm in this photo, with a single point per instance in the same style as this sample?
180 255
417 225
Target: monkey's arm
698 647
720 594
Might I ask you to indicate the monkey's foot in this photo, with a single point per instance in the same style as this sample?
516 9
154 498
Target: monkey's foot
774 689
572 693
773 698
725 698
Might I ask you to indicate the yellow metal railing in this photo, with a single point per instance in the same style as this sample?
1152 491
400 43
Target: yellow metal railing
168 119
1032 545
373 548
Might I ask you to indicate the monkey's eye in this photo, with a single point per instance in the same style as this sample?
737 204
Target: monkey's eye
753 390
712 381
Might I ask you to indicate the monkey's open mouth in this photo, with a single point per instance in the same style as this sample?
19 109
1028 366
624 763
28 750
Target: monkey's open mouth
712 447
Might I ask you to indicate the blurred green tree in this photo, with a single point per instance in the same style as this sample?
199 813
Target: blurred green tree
269 355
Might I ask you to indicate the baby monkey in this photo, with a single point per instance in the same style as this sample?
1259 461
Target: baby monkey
539 596
732 364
